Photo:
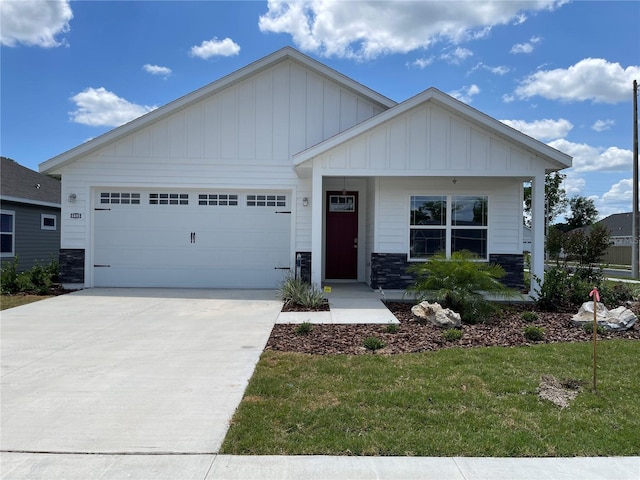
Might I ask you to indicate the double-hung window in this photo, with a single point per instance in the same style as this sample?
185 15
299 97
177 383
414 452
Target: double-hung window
448 223
7 233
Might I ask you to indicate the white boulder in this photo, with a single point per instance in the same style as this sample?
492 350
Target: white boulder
436 315
618 319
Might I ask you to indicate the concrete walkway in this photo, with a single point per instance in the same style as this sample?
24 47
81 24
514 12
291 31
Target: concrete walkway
141 384
349 303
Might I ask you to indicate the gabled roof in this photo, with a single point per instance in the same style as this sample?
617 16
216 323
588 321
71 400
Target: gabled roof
619 224
553 156
286 53
20 184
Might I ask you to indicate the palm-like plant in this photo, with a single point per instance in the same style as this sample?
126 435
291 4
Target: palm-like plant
459 282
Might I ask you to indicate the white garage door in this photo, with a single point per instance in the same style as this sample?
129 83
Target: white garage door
165 238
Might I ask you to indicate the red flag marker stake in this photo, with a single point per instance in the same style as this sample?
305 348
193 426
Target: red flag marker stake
596 298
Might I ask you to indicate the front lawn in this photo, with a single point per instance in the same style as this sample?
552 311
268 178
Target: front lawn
451 402
10 301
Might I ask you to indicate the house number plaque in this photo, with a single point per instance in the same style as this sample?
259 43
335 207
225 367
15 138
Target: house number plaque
75 215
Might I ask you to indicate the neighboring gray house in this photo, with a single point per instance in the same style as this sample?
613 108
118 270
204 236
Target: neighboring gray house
30 216
619 226
288 161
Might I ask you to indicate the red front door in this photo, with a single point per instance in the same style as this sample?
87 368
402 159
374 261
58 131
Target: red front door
342 236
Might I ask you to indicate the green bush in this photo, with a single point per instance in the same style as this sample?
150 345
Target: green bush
533 333
296 292
9 276
588 327
392 328
304 328
615 295
459 283
529 316
452 334
373 343
38 279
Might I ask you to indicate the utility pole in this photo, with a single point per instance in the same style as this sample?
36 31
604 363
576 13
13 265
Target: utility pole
635 220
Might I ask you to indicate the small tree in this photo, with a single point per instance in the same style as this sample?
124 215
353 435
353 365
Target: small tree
583 212
555 195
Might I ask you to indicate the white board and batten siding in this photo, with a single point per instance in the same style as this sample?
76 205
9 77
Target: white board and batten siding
429 140
240 138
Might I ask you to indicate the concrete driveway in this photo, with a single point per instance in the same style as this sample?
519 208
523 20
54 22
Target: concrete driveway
133 371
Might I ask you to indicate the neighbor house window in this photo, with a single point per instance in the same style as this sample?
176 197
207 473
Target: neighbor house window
7 233
48 222
448 223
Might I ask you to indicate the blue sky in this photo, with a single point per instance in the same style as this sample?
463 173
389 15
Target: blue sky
559 71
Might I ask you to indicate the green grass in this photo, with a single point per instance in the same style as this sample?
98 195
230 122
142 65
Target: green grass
454 402
10 301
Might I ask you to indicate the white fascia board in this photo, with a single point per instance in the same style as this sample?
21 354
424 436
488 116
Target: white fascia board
8 198
546 153
50 166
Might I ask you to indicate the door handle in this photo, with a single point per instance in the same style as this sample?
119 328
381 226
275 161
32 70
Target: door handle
355 242
193 237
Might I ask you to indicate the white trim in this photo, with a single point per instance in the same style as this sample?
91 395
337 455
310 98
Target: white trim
12 233
8 198
448 226
45 216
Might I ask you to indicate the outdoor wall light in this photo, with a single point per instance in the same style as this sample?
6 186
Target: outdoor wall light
305 202
72 197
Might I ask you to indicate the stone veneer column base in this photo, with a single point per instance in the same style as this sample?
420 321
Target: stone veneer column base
71 265
305 266
389 270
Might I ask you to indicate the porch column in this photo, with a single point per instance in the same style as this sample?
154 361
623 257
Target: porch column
316 227
537 226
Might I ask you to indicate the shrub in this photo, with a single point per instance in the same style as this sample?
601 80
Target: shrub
458 282
37 280
304 328
529 316
452 334
533 333
588 327
392 328
373 343
616 295
296 292
9 276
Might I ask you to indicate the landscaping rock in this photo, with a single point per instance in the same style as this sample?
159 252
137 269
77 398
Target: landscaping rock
436 315
618 319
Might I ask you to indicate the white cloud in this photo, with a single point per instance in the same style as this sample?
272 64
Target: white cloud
620 192
595 159
573 185
34 22
466 93
499 70
590 79
367 29
98 107
157 70
546 129
526 47
456 56
602 125
215 48
421 63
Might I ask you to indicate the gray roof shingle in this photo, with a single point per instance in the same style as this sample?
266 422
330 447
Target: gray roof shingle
20 182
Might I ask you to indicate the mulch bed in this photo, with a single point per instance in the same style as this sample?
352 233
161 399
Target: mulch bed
505 330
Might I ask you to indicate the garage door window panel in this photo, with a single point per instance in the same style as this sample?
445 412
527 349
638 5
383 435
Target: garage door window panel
218 199
168 199
119 198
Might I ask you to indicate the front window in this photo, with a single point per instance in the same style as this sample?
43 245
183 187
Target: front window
448 223
7 233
